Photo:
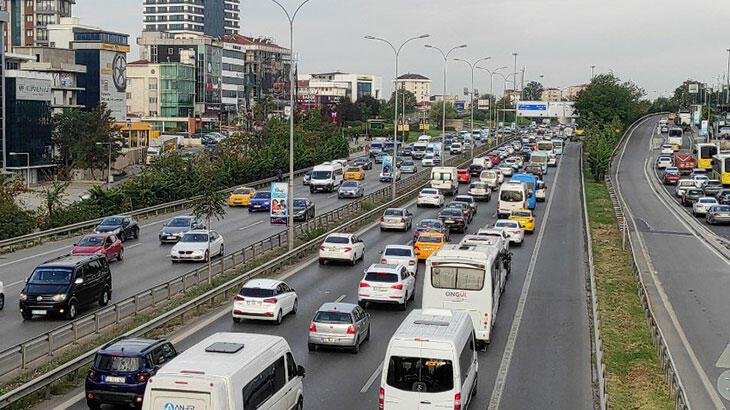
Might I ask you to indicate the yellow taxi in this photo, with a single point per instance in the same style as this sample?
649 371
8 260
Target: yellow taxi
241 196
354 173
525 218
428 243
676 147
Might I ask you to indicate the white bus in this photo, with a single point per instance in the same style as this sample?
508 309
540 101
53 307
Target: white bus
468 278
512 195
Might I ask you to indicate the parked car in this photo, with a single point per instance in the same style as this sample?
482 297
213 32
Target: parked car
400 255
121 368
241 196
350 189
303 209
106 244
261 201
715 215
198 246
364 162
430 197
386 283
341 247
174 229
702 205
65 284
264 299
123 226
430 225
396 218
344 325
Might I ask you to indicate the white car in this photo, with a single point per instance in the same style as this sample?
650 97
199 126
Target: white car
700 180
513 230
386 284
683 185
702 205
400 255
428 160
341 247
664 161
455 148
512 162
195 246
505 169
2 296
396 218
499 235
264 299
490 177
552 159
430 197
541 191
667 149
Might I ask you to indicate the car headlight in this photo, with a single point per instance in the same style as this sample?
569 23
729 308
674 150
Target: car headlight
59 298
23 296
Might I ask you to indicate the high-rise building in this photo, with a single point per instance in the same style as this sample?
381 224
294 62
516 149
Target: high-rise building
29 20
214 18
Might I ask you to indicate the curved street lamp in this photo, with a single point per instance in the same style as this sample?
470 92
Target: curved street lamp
445 56
471 92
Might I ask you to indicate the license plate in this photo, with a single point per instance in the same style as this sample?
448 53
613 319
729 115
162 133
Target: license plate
115 379
332 249
170 237
253 302
380 289
450 221
257 206
329 340
38 312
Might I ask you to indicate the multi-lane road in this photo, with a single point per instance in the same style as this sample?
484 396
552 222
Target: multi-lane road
540 355
688 279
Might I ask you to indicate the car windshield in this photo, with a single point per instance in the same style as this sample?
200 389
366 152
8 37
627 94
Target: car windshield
263 195
694 192
242 191
321 174
407 163
91 240
300 203
194 237
507 224
393 212
420 374
381 277
349 184
466 199
722 208
708 201
429 223
332 317
117 363
354 169
477 186
256 292
398 252
112 221
179 222
337 239
51 276
511 196
429 239
713 182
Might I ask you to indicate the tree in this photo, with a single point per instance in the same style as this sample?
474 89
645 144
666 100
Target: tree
68 129
663 104
607 99
53 196
14 221
436 114
208 204
681 97
533 91
386 109
599 146
369 106
347 111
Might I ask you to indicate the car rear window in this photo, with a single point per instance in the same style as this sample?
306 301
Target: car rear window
420 374
242 191
429 239
429 191
397 252
117 363
337 239
332 317
393 212
381 277
451 212
256 292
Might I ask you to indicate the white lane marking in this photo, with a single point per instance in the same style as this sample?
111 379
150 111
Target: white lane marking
724 360
34 256
132 246
340 299
250 226
332 196
372 378
76 398
15 283
158 222
509 348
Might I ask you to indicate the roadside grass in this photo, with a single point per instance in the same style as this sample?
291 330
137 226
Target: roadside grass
634 378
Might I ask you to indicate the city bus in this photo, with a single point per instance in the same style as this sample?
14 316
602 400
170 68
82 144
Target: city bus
705 152
721 168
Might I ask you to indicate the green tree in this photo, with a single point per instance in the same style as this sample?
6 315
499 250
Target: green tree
386 109
68 130
14 221
599 146
532 91
607 99
369 107
347 111
436 113
209 204
52 196
663 104
681 98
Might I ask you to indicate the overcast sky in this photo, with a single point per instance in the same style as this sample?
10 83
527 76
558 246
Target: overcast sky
655 43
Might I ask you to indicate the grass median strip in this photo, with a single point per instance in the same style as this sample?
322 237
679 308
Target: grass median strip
634 378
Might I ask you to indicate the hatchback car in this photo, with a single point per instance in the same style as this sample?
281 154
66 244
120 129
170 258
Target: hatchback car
341 247
400 255
667 149
428 243
176 227
525 218
670 176
430 197
702 205
691 195
428 160
466 209
350 189
454 219
364 162
505 169
664 161
241 196
198 246
124 227
120 370
386 283
408 167
261 201
463 175
264 299
354 173
396 218
340 325
430 225
491 178
303 209
514 231
718 214
480 191
712 187
106 244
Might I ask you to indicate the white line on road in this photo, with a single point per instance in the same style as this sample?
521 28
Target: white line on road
155 223
332 196
250 226
372 378
34 256
499 383
132 246
340 299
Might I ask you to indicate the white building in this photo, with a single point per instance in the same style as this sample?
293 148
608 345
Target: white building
417 84
354 85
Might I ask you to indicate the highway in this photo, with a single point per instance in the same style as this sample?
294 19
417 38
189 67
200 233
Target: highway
540 355
146 263
687 279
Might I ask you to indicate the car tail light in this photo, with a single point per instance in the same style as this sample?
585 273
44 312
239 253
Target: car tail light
143 377
398 286
516 231
271 300
383 260
381 398
348 249
403 220
239 298
312 327
715 214
457 401
382 219
351 330
364 285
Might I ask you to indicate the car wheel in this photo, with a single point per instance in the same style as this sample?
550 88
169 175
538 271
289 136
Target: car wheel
2 302
135 233
355 349
222 252
71 313
368 336
311 347
93 404
321 261
120 255
300 404
295 307
236 320
122 236
413 294
353 261
404 305
362 303
104 298
278 317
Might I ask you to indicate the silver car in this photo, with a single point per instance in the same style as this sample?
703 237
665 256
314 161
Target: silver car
718 214
350 189
396 218
408 167
339 325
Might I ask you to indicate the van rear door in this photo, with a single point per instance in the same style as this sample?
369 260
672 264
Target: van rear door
420 375
178 399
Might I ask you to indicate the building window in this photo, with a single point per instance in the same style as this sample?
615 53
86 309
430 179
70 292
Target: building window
153 100
153 84
29 18
129 96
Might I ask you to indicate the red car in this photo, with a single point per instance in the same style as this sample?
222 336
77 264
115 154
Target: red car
670 178
494 158
106 244
463 176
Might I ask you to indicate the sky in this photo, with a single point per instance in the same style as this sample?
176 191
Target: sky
655 43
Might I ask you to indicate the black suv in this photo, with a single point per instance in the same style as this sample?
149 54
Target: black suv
121 369
63 285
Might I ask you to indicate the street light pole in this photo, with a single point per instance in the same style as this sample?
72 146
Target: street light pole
396 52
445 56
514 80
292 65
471 92
492 110
727 79
27 166
593 68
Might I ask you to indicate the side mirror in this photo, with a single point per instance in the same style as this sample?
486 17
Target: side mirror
300 371
79 281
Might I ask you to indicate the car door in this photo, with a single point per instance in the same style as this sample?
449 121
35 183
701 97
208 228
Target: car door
127 227
284 295
91 282
409 280
358 318
215 243
109 248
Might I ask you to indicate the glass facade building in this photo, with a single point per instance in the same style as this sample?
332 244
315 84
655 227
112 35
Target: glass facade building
177 90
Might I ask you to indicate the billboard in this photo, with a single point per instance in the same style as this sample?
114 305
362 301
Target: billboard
387 164
32 89
279 198
113 82
532 109
483 104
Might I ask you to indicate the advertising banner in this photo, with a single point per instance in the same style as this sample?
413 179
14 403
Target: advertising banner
32 89
279 199
483 104
387 164
113 82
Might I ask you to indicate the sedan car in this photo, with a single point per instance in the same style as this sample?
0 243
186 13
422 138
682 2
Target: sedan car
408 167
400 255
303 209
341 247
491 178
241 196
407 151
396 218
428 160
386 283
264 299
505 169
350 189
500 236
480 191
702 205
124 227
712 187
667 149
691 196
664 161
343 325
454 219
354 173
469 200
427 243
106 244
525 218
670 176
430 225
176 227
364 162
512 229
718 214
196 246
465 208
261 201
430 197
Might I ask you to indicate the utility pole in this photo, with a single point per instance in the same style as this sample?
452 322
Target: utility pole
727 79
514 79
593 68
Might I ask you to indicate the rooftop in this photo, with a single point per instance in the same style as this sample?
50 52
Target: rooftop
411 76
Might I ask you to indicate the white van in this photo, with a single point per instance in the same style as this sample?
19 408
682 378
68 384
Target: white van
229 371
431 363
512 195
445 180
326 177
424 138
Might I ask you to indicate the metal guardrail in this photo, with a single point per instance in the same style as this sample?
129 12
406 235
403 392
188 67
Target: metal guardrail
50 343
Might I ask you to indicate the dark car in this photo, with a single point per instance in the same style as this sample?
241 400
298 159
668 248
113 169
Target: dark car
454 219
464 207
691 196
723 197
712 187
123 226
475 170
364 162
261 201
430 225
63 285
407 151
176 227
469 200
303 209
121 368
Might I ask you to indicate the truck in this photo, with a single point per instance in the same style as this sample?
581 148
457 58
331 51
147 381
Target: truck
539 158
162 145
685 119
685 162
